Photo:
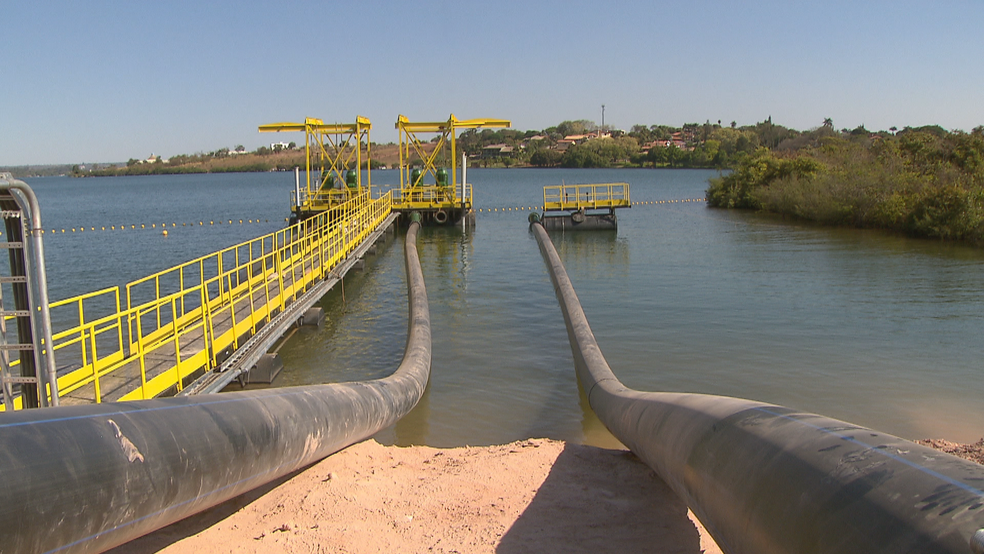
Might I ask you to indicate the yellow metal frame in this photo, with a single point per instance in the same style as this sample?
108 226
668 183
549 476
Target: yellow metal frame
329 149
179 321
424 195
575 198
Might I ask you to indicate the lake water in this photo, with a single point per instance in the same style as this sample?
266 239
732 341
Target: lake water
875 329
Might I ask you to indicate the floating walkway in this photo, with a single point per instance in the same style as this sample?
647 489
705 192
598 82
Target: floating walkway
212 318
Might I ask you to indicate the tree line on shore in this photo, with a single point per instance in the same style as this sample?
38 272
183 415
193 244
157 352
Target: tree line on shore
924 182
584 144
223 160
690 146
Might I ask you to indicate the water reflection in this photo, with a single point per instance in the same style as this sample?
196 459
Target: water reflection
364 330
606 255
414 428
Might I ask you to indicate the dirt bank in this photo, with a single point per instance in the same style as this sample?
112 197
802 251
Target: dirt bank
973 452
530 496
536 495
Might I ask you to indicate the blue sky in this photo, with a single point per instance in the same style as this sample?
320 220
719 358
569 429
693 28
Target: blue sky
107 81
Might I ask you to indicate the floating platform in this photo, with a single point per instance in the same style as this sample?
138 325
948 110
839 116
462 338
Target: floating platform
436 204
589 207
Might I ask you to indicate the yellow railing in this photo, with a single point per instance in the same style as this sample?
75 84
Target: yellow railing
183 320
586 197
323 199
433 196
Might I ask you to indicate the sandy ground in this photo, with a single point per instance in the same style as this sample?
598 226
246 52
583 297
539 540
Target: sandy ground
973 452
535 495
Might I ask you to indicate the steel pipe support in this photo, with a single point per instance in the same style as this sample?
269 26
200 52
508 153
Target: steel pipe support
88 478
767 479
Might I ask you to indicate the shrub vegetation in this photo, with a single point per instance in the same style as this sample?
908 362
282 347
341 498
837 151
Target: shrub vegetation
924 182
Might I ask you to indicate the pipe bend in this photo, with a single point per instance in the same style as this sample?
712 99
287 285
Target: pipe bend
88 478
764 478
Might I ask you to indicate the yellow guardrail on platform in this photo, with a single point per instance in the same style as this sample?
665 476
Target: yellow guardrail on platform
424 197
161 331
586 197
323 199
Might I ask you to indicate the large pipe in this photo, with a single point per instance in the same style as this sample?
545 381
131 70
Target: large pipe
767 479
88 478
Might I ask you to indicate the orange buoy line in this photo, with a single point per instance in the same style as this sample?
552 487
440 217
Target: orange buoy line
642 203
203 223
139 226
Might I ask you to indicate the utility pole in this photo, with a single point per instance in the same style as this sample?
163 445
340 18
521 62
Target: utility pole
603 117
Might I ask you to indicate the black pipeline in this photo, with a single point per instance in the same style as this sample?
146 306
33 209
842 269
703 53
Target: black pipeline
766 479
88 478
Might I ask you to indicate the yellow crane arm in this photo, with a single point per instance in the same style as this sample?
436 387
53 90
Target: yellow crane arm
277 127
452 123
314 125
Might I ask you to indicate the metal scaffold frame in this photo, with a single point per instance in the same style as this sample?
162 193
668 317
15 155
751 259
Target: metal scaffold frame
335 152
443 193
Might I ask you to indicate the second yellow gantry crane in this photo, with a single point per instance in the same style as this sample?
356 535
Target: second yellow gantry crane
431 181
334 153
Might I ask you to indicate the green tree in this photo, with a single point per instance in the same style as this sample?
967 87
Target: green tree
662 132
545 157
579 156
579 127
642 134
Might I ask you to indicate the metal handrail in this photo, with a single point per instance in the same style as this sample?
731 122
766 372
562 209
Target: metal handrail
586 196
238 272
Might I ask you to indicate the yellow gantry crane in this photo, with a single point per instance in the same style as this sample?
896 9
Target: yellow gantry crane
334 153
429 171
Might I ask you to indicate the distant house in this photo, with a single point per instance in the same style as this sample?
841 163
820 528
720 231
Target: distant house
279 146
677 140
570 140
497 151
658 143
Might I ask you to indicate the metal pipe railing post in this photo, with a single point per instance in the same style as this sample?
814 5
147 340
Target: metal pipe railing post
26 200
